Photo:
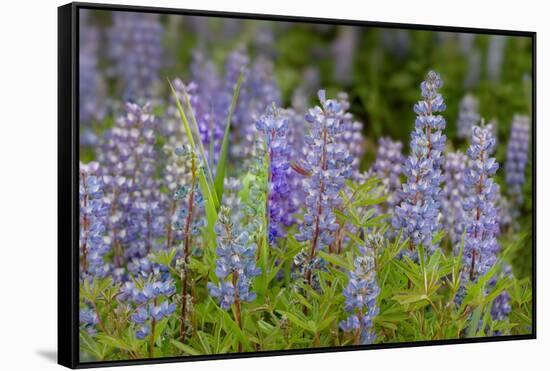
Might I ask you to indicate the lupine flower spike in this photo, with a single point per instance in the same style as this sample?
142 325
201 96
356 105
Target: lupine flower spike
480 243
235 267
360 295
517 156
329 164
274 127
419 209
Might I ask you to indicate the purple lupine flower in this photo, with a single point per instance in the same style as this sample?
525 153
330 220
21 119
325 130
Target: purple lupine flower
93 222
517 156
454 194
153 304
328 164
466 42
236 260
183 225
144 267
135 47
418 212
343 50
501 307
258 91
91 85
308 85
88 319
275 127
468 116
360 296
137 207
208 112
388 167
149 293
352 136
482 226
495 56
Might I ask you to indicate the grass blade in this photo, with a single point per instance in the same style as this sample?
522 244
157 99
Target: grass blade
222 160
210 199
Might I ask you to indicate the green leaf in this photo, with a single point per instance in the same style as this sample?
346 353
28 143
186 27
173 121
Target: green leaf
88 344
185 348
205 178
474 322
114 342
222 161
303 323
337 260
231 327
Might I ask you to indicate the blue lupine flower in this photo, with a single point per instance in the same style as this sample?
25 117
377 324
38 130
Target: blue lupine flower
274 126
88 320
90 82
454 194
146 299
343 50
141 315
517 156
93 220
136 49
329 165
163 310
225 293
388 167
236 260
143 332
360 296
482 226
137 207
351 136
258 91
419 209
468 116
209 110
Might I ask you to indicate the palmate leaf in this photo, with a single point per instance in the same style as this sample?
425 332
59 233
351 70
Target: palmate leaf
222 160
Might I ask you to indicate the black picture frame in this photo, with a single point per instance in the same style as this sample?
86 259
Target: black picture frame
68 179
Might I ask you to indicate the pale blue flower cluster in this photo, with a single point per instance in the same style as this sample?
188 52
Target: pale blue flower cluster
137 207
274 127
328 165
419 209
136 49
88 319
149 308
454 194
352 133
90 81
236 264
151 292
468 116
481 222
93 222
360 296
258 91
501 305
517 156
388 167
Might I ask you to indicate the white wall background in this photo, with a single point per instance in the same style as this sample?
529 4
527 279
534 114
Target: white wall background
28 182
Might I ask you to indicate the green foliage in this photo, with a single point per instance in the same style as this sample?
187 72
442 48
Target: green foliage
417 299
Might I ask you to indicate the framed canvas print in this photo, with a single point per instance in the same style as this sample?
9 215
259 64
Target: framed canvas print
237 185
